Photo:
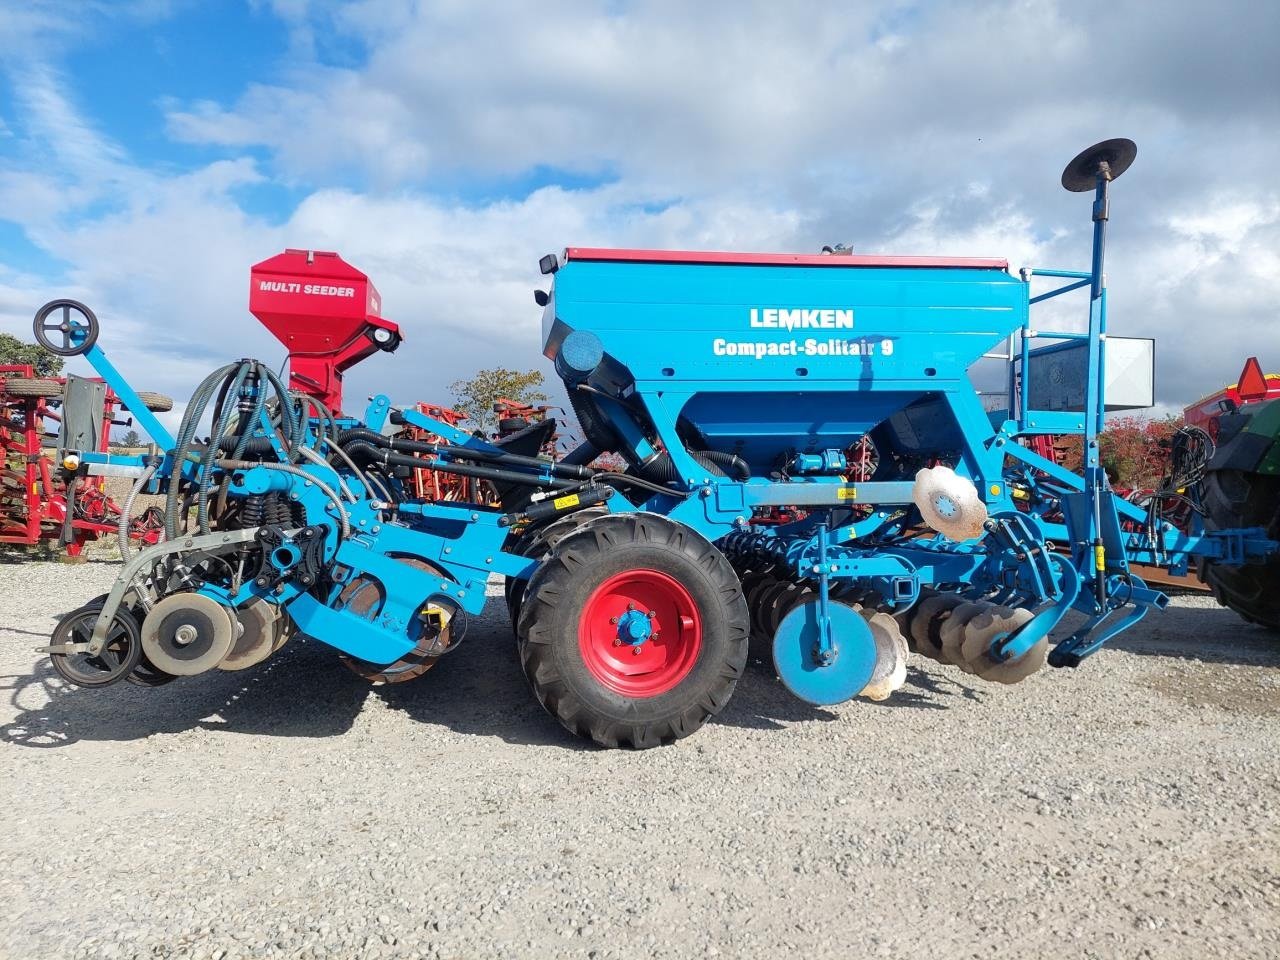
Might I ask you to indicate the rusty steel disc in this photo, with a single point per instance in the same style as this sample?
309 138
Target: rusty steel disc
364 596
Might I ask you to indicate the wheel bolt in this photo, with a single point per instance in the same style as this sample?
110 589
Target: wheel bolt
653 614
617 643
635 651
613 620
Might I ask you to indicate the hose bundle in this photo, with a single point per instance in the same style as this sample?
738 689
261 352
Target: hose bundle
1190 450
241 389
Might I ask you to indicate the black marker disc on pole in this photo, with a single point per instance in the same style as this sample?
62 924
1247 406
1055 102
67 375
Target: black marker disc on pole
1081 174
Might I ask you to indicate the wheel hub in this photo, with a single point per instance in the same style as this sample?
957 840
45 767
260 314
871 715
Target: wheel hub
634 627
640 633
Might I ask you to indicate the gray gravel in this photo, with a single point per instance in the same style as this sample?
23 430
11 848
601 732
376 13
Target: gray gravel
1127 809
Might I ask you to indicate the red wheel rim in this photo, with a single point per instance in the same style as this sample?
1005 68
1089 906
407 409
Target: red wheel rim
664 658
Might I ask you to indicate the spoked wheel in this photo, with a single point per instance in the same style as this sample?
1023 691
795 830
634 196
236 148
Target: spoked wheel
634 632
113 663
65 327
145 673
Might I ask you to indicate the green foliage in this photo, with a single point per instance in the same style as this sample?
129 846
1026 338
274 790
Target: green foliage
13 350
131 439
475 397
1134 450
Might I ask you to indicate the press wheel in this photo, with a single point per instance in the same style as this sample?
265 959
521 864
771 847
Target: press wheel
113 663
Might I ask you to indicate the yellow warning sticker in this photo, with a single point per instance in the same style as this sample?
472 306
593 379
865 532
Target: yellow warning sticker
847 493
564 503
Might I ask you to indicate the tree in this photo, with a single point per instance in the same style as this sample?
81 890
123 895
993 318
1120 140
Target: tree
1134 450
475 397
131 439
13 350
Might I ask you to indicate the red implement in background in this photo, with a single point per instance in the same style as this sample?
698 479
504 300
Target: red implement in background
435 485
327 314
36 493
1252 387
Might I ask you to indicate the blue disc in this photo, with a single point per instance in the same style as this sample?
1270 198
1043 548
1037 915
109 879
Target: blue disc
794 649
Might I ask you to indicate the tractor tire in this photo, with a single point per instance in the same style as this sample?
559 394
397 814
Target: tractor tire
620 569
537 545
27 387
1236 498
155 402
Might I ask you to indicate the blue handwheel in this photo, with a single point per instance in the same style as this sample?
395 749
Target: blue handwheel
794 654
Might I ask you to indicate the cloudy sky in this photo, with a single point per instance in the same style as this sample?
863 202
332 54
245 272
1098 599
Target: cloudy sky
150 151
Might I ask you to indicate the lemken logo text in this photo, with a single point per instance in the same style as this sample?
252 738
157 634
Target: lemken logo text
801 319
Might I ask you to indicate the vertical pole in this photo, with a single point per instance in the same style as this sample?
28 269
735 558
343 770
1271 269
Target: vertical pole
1024 400
826 649
1095 477
32 428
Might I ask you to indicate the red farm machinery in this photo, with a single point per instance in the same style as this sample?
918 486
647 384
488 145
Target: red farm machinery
47 494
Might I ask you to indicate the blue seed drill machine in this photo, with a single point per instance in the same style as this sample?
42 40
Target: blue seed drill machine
732 385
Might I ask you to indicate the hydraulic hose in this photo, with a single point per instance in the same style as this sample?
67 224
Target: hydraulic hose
387 458
351 465
126 512
186 434
451 452
322 462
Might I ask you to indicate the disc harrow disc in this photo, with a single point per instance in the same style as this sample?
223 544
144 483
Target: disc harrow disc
795 654
890 671
285 629
993 625
928 612
781 602
760 611
754 592
364 596
117 659
145 674
256 637
951 633
187 633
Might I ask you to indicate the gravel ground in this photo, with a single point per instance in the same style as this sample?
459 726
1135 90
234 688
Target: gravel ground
1126 809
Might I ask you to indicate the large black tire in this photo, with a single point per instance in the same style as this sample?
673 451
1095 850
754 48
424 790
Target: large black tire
537 544
1235 498
558 593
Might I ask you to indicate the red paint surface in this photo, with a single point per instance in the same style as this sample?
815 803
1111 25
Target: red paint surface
780 259
324 311
663 660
